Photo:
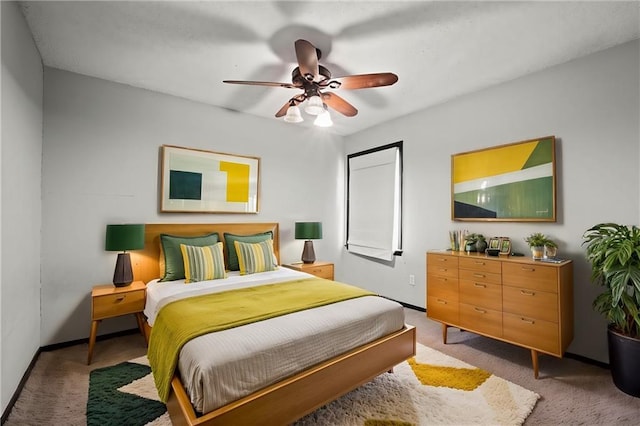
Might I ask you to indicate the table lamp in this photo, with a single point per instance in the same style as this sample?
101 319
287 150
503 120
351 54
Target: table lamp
308 231
123 238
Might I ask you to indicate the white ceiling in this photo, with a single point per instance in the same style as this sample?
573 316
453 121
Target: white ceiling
439 50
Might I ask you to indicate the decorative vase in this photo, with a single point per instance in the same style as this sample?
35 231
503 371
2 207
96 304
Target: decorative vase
481 246
537 252
470 247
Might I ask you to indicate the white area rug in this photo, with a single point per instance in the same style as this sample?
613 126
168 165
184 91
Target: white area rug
400 398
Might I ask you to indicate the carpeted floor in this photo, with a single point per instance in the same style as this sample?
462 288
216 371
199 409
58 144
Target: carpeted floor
572 392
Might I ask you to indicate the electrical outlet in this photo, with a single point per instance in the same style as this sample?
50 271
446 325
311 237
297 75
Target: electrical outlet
412 279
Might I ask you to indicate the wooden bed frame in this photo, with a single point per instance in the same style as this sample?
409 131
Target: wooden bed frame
292 398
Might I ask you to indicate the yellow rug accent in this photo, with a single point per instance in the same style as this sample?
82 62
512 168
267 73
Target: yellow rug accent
466 379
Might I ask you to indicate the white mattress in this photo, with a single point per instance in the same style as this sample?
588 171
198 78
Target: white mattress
221 367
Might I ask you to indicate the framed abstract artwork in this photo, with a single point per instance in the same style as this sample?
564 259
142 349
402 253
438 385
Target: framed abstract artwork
199 181
514 182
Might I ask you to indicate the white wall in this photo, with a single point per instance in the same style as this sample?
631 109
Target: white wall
20 165
591 105
101 155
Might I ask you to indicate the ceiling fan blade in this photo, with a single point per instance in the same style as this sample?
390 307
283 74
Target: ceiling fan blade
363 81
336 102
295 100
307 56
262 83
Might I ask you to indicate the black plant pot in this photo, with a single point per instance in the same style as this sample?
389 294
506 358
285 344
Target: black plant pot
624 361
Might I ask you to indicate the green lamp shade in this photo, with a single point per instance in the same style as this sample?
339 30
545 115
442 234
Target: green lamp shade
308 230
124 237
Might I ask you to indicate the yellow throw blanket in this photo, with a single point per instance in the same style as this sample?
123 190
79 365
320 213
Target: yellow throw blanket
182 320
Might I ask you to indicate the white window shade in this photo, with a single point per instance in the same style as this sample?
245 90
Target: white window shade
374 202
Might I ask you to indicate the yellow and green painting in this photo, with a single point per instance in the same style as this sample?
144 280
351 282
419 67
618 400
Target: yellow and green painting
509 182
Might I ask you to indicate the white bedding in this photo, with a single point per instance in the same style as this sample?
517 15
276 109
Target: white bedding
221 367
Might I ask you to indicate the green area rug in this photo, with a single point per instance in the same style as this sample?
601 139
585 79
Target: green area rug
430 389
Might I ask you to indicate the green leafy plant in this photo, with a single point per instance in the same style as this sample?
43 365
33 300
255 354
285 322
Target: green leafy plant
474 238
536 239
550 243
614 253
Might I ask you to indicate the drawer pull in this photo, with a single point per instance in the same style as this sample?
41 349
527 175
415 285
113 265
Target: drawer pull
120 298
479 275
528 293
442 302
528 321
479 285
443 279
479 262
442 260
443 269
524 268
482 311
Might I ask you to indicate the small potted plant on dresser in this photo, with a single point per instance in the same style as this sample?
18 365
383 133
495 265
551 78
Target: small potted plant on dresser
550 249
614 253
536 242
475 242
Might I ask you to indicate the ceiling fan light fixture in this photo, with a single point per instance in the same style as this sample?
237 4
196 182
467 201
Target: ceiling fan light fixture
323 119
293 115
314 105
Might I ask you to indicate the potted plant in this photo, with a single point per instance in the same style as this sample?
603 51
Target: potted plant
614 253
475 242
536 242
550 249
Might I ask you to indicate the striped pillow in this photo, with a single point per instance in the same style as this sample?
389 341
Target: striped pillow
203 263
255 257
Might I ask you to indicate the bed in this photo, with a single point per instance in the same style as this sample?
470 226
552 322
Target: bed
296 390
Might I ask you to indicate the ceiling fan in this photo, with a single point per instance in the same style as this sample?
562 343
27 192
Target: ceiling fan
316 83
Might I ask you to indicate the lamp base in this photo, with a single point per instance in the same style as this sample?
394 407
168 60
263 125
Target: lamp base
308 254
123 274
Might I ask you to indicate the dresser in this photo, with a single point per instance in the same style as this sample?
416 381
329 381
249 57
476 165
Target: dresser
517 300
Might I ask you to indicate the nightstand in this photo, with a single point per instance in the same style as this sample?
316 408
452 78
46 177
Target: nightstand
108 301
319 269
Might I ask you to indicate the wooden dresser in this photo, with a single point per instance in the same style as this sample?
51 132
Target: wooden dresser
514 299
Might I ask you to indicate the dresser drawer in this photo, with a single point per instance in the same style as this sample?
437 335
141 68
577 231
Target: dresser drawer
531 276
481 294
480 276
533 333
111 305
480 319
444 287
531 303
441 309
480 264
442 265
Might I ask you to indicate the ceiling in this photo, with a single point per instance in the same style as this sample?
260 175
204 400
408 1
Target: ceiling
439 50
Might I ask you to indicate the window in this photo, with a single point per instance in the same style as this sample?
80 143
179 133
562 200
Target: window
374 202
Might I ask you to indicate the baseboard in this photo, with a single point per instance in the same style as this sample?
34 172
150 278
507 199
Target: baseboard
25 376
23 381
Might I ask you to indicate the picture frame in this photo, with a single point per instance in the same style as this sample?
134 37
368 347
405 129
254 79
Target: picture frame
201 181
514 182
494 243
505 246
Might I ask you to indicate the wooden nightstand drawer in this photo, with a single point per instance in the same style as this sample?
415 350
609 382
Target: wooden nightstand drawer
480 264
531 303
319 269
481 319
531 332
113 305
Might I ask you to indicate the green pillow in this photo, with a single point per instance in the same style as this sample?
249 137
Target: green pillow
203 263
230 239
174 264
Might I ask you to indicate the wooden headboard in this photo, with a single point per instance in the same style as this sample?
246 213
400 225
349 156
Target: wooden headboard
145 262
